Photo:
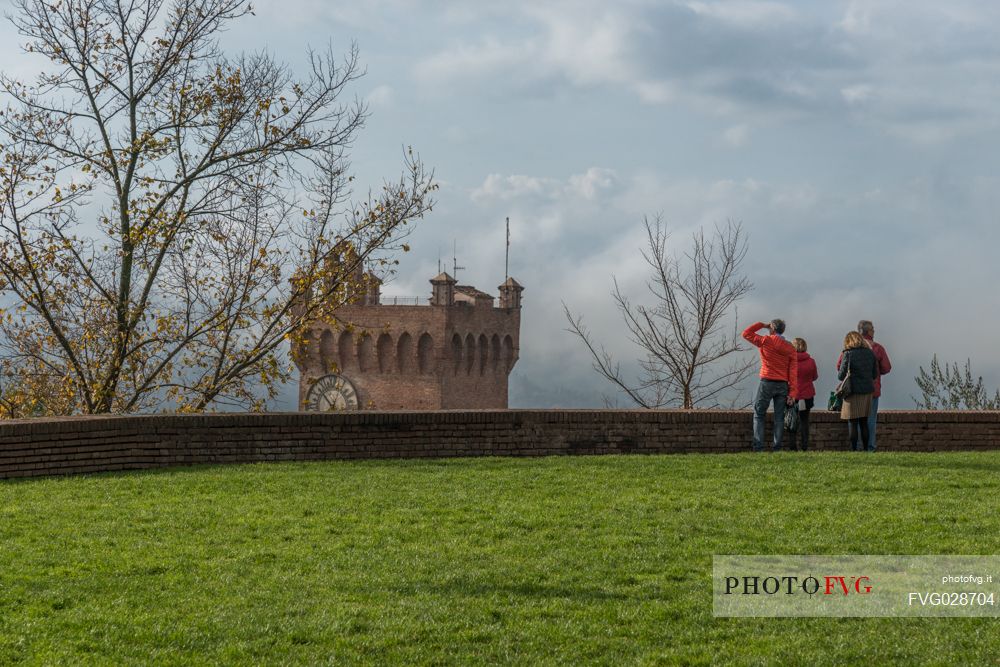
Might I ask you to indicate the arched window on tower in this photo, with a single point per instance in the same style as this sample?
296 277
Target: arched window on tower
508 353
484 353
327 351
364 352
456 353
470 353
384 351
404 354
346 351
311 349
425 354
495 353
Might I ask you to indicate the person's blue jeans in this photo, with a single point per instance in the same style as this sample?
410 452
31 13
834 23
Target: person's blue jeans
769 391
872 420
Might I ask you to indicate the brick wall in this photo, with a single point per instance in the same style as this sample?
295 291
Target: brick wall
92 444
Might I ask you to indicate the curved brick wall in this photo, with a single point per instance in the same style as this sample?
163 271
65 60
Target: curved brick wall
93 444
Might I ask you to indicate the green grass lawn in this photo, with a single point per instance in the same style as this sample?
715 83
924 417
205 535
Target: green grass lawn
554 560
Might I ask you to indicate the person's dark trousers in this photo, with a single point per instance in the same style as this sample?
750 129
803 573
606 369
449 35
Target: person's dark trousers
859 434
769 391
872 422
803 436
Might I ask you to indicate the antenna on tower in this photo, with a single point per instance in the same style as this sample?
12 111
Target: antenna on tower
506 259
454 261
439 260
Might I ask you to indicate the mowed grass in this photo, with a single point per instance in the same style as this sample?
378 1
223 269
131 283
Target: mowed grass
555 560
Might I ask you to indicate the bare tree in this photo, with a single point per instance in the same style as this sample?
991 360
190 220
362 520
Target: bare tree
165 209
688 359
953 389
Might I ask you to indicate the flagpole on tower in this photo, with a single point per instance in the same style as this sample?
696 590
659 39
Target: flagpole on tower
506 260
454 260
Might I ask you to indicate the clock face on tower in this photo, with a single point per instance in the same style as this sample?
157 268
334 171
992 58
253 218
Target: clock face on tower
331 393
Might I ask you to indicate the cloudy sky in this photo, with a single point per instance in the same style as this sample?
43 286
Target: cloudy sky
856 141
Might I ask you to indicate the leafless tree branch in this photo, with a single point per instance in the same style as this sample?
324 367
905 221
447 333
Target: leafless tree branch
682 337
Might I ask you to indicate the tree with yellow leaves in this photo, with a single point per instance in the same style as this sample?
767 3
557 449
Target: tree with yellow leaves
167 212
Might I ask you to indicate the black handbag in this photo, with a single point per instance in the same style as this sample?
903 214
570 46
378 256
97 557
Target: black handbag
792 418
843 389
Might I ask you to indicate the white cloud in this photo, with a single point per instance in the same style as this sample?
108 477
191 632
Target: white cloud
583 47
857 18
591 51
355 15
743 13
736 135
485 58
499 187
856 94
655 92
593 181
887 61
381 96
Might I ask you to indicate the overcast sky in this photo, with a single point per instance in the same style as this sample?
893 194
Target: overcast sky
856 141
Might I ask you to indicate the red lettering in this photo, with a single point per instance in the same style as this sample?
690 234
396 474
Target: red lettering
831 585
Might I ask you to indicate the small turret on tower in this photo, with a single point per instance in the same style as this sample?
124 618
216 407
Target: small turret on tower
373 289
344 273
510 294
443 290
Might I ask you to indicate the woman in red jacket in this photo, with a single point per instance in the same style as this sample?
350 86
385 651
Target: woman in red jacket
806 391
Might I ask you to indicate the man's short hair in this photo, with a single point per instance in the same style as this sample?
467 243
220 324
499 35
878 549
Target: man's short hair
778 326
866 328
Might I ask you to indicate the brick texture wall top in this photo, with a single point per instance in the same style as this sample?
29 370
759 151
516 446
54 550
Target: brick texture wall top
74 445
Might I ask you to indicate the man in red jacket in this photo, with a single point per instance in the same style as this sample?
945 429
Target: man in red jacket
778 379
867 331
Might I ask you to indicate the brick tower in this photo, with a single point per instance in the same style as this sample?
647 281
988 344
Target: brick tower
453 351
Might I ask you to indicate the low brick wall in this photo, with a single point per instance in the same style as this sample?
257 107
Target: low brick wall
93 444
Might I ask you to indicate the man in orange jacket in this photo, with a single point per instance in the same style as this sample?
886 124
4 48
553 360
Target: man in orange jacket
778 379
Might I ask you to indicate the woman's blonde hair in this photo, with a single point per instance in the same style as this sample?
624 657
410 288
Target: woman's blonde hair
853 340
799 344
